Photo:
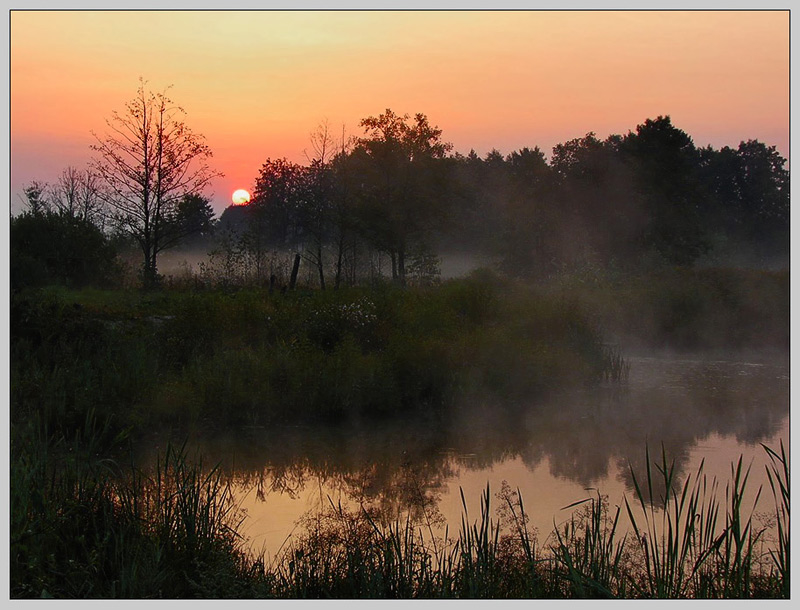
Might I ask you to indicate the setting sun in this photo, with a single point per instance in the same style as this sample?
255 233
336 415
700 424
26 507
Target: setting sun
240 197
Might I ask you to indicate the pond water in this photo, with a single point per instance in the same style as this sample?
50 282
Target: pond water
556 451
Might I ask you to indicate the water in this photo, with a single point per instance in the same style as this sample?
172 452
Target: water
556 451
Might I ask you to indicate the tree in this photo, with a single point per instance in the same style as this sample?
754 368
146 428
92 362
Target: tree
747 196
37 197
77 194
667 166
273 214
192 217
316 209
149 163
402 181
763 182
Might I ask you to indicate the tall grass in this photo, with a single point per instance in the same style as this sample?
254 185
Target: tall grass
84 527
778 475
690 545
681 543
591 558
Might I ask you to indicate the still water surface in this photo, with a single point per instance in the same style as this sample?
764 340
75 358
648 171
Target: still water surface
555 451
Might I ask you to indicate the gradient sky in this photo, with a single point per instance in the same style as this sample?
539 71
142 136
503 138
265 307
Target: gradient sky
256 84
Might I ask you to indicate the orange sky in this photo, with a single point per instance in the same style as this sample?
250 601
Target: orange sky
257 83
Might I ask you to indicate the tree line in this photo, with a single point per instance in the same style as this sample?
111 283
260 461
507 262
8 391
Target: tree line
398 191
646 198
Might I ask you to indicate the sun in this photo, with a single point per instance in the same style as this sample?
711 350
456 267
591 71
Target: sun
240 197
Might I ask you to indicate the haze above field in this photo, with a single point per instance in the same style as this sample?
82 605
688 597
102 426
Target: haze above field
257 83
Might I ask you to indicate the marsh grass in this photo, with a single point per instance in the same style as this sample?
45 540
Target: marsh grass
590 558
83 527
679 542
778 476
691 546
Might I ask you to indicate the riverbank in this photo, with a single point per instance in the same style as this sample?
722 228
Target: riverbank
251 357
91 369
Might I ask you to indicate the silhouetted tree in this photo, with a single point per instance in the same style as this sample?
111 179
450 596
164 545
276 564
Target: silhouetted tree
315 210
149 162
402 181
666 164
36 197
77 193
763 182
192 217
273 219
344 220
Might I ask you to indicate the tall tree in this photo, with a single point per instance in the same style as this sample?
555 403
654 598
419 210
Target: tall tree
316 210
149 162
403 182
668 165
273 215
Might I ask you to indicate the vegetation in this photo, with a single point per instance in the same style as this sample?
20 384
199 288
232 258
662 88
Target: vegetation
251 357
51 248
635 203
86 527
245 342
153 170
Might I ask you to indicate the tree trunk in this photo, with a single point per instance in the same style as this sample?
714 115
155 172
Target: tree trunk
149 275
295 269
339 256
401 266
394 264
320 268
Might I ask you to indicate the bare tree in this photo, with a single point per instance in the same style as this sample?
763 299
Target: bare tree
77 194
316 209
150 162
65 191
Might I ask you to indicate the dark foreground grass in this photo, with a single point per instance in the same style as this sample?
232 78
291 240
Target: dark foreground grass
83 527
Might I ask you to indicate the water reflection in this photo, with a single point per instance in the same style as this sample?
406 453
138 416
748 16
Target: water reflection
583 437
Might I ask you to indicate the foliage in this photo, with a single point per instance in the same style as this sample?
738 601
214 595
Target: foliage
403 175
703 308
51 248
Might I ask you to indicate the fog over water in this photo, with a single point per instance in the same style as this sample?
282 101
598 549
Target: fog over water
697 407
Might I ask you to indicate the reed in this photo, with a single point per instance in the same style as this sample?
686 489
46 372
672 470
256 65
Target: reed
85 527
778 476
593 560
82 527
689 546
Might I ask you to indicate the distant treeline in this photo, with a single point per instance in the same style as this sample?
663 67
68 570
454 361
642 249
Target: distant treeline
393 200
648 198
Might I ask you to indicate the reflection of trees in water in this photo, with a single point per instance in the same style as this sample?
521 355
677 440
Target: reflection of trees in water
405 465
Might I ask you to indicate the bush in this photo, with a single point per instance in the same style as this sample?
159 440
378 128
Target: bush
49 248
